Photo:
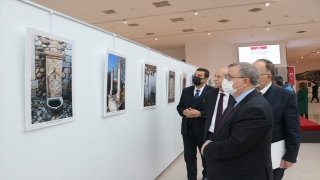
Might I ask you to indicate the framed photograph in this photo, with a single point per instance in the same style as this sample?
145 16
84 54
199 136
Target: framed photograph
171 80
49 80
184 82
115 84
149 85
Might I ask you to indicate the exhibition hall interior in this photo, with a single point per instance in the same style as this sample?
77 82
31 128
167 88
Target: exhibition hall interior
90 88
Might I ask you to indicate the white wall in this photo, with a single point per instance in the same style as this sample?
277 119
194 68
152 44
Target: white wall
135 145
178 53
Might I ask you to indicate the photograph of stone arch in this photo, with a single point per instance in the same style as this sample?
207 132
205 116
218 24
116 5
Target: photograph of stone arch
171 86
49 62
149 85
115 82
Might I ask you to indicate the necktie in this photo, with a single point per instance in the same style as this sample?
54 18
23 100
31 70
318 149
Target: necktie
219 112
197 94
228 110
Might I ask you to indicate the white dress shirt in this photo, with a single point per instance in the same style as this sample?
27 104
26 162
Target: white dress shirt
225 104
195 90
265 89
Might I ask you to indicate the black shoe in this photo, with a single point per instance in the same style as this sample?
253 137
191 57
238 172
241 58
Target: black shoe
205 178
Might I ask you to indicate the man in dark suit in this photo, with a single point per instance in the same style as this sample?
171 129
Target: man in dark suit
286 125
191 109
216 101
241 146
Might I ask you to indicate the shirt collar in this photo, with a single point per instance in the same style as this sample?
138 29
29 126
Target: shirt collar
195 88
265 89
243 95
225 93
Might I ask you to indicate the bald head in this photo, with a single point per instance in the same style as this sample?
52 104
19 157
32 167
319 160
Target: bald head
219 76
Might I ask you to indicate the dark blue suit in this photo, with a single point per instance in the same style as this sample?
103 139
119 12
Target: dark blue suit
192 129
286 123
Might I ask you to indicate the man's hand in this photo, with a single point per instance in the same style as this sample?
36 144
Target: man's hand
195 113
204 145
187 112
285 164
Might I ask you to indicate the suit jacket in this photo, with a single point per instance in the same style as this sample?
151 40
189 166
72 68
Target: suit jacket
241 147
186 101
209 106
286 123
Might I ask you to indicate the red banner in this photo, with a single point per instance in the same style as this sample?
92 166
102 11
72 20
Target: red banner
291 77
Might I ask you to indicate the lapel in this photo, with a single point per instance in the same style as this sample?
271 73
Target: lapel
230 98
242 102
212 99
271 94
201 97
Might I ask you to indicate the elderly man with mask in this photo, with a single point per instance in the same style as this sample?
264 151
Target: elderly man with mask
286 125
241 146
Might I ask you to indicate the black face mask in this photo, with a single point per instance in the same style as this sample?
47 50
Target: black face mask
196 80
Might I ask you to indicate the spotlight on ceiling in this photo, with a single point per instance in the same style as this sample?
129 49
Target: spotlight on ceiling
195 12
155 38
268 29
318 52
209 33
297 61
266 4
302 57
124 21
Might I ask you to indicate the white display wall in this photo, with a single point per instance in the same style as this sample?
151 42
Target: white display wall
138 144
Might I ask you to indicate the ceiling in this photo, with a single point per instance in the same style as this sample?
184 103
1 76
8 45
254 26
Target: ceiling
286 18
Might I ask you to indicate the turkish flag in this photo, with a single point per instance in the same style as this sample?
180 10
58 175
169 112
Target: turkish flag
291 77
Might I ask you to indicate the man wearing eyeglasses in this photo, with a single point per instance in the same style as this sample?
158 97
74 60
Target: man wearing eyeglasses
286 125
241 146
191 108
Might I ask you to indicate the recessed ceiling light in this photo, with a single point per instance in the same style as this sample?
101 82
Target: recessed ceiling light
209 33
297 61
266 4
195 12
161 4
318 52
268 29
149 34
301 31
155 38
124 21
302 57
133 25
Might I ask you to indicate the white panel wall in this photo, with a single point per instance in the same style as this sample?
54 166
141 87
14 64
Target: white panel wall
135 145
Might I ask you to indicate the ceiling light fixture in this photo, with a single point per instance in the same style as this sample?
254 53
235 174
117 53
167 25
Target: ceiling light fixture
297 61
302 57
124 21
209 33
155 38
318 52
268 28
195 12
267 4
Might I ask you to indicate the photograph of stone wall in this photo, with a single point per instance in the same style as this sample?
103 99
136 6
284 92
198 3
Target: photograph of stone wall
149 86
115 84
171 87
51 83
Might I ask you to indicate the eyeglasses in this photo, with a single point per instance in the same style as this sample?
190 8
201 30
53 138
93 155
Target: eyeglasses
264 74
229 77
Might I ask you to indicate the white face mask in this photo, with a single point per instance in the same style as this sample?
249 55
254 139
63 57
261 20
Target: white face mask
227 86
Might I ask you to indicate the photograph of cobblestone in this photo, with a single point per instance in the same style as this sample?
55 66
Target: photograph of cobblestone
149 86
115 84
51 80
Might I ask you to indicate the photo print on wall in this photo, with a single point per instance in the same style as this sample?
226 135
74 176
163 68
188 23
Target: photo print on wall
115 82
184 83
149 85
49 80
171 86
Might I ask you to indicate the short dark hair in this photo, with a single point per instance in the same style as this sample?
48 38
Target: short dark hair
269 66
206 72
278 79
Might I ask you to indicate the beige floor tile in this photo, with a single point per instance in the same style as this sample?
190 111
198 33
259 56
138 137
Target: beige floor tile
290 175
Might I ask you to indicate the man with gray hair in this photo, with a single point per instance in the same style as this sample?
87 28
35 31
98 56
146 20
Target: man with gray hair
241 146
285 113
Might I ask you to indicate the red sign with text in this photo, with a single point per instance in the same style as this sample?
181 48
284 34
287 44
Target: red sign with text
258 47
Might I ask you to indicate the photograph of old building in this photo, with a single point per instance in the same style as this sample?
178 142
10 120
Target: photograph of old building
149 85
171 86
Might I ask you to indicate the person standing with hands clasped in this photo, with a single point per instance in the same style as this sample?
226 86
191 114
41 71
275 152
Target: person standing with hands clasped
191 108
241 146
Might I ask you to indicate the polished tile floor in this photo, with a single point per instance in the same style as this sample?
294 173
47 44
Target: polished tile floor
307 167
